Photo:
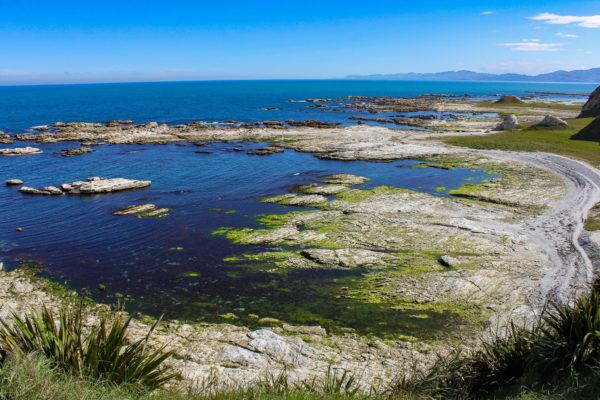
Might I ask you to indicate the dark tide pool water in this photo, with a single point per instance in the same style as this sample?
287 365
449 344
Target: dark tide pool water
174 265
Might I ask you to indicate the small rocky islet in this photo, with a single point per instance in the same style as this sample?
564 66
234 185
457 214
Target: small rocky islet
461 261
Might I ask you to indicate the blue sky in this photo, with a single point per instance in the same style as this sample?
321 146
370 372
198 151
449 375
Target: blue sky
110 41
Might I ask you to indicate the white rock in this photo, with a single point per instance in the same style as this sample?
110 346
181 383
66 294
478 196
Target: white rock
241 356
20 151
13 182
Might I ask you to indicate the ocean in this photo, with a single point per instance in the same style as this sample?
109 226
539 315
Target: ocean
22 107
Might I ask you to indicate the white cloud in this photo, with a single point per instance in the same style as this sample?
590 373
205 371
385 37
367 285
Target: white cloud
488 12
532 45
566 35
589 21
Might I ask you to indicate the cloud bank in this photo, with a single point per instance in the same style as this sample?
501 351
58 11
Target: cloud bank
589 21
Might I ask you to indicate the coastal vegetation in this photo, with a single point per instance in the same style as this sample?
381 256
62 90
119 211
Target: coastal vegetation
47 356
556 140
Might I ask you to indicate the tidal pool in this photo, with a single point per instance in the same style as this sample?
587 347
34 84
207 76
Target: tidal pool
176 265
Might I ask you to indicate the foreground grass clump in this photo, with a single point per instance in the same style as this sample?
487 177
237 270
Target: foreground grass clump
35 378
101 352
552 140
557 355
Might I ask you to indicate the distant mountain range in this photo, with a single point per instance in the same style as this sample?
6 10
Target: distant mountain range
588 75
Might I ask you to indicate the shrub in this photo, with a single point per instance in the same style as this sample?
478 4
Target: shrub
103 352
569 338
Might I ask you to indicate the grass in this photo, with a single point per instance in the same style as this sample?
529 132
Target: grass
593 221
557 358
552 140
553 106
101 352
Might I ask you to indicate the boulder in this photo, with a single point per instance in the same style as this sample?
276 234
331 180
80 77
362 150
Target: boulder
448 261
551 121
19 151
53 190
13 182
509 123
592 107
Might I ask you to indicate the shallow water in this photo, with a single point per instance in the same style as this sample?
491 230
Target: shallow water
80 242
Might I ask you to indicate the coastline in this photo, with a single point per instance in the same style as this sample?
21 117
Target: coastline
540 248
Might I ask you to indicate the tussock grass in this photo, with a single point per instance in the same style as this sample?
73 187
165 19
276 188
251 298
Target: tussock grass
103 352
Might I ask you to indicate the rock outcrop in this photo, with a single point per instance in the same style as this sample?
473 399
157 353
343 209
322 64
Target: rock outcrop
103 185
592 107
551 121
20 151
13 182
90 186
76 152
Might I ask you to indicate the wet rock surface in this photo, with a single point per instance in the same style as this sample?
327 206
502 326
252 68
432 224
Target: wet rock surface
143 211
13 182
78 151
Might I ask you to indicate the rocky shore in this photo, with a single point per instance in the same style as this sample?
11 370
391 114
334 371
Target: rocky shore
491 253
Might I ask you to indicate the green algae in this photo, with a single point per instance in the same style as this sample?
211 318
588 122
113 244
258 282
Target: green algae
190 274
360 195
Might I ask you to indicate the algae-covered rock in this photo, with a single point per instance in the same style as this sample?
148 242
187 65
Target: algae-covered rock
345 179
326 190
348 258
297 200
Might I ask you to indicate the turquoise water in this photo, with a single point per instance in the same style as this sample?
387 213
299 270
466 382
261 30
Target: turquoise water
22 107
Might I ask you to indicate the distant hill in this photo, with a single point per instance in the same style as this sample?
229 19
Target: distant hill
588 75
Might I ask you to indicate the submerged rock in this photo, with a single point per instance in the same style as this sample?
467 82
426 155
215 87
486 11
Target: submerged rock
550 121
266 151
592 107
20 151
13 182
144 211
76 152
509 123
103 185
